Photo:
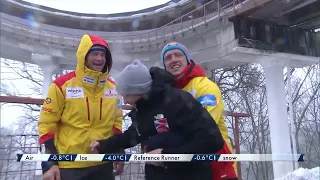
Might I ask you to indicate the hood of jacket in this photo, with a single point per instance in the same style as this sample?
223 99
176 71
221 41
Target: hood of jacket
161 79
89 77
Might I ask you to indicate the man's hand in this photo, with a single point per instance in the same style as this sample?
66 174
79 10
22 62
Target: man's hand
94 147
119 167
52 174
156 151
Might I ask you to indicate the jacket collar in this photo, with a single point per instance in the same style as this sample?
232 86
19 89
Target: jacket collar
191 71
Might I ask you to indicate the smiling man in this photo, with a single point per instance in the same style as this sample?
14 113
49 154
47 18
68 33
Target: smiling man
81 106
192 78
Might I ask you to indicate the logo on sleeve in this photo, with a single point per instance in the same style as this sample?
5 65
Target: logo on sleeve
74 92
119 103
161 123
110 93
48 100
46 109
208 100
89 80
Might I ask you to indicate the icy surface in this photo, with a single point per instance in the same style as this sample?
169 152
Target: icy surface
303 174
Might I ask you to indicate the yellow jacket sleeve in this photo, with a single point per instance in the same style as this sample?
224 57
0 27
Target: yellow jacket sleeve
50 113
117 125
210 97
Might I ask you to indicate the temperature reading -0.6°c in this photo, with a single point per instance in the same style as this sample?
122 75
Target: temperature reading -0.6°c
203 157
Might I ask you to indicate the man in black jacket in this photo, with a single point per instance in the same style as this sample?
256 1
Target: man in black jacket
161 109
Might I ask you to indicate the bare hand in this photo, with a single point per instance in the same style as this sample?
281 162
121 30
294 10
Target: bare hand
119 167
52 174
156 151
94 147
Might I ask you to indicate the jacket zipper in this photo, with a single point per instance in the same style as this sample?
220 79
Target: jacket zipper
100 108
88 108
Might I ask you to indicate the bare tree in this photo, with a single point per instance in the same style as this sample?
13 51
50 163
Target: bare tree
306 103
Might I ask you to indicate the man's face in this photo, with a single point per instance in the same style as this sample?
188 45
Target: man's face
175 61
96 60
131 99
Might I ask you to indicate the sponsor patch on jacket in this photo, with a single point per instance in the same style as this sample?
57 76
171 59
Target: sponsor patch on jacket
89 80
208 100
161 123
119 103
74 92
110 93
103 81
48 100
46 109
192 92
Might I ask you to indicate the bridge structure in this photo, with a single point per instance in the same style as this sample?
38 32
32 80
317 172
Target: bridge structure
218 34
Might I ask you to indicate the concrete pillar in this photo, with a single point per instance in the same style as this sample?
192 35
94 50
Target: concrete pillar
278 116
47 80
49 67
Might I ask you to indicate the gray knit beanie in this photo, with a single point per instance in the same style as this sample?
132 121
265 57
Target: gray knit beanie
135 79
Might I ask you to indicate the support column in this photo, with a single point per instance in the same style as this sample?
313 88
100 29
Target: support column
278 116
47 80
49 67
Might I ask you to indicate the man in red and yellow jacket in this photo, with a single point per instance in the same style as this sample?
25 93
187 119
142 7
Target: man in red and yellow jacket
192 78
81 107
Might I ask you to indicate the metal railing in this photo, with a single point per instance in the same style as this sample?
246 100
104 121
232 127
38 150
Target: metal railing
188 22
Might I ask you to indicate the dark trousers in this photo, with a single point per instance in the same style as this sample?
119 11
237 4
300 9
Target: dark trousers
161 173
100 172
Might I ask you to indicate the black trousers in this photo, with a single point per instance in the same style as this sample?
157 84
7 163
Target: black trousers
100 172
161 173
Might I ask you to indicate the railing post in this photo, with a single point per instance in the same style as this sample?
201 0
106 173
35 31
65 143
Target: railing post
192 20
237 143
218 9
172 25
181 23
204 14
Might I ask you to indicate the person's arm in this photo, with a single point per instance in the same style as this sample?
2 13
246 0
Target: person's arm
116 143
118 117
50 115
195 122
117 124
209 95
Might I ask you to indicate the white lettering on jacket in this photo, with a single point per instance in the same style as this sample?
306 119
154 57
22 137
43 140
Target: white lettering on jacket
74 92
89 80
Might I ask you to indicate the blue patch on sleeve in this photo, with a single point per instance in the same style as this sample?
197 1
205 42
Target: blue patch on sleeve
208 100
119 103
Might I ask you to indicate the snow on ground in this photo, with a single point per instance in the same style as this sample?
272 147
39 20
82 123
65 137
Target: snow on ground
303 174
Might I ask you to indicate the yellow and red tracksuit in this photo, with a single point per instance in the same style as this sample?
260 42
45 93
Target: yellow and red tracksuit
194 80
81 107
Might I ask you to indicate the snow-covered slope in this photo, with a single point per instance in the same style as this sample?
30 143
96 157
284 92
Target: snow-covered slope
303 174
